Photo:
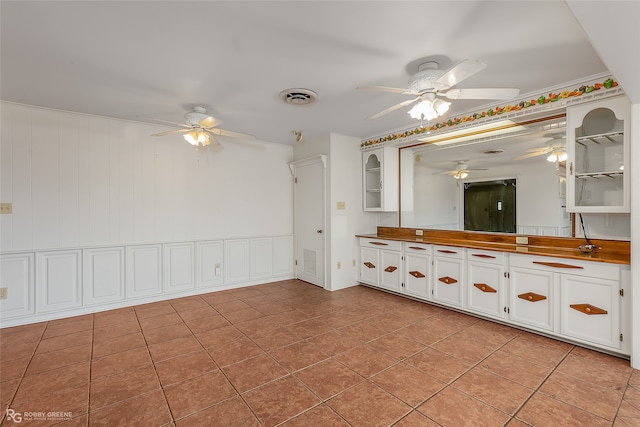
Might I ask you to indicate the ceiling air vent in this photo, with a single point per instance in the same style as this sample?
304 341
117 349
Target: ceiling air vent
298 96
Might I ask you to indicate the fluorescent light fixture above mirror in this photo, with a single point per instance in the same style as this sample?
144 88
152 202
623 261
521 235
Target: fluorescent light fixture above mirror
481 131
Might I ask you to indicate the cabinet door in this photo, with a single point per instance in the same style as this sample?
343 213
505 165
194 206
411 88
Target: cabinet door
447 280
485 292
380 179
590 309
598 152
531 300
369 265
390 270
416 276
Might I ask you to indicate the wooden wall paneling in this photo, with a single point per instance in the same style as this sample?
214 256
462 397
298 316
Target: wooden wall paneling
58 280
84 180
178 266
126 183
282 255
45 172
17 274
237 260
6 177
209 263
261 257
22 218
143 270
69 182
115 139
103 275
165 190
99 172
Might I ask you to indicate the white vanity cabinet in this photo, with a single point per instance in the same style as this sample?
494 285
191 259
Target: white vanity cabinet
380 179
381 263
448 275
417 269
532 300
577 300
486 287
598 153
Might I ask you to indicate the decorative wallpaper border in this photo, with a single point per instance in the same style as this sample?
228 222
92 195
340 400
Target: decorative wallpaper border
542 99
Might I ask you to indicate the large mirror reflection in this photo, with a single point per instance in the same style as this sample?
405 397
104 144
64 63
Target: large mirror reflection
510 184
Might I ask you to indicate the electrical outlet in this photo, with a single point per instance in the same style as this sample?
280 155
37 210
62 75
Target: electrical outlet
522 240
339 265
4 293
354 263
6 208
218 271
419 232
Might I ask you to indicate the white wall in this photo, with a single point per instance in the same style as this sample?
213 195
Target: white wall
80 180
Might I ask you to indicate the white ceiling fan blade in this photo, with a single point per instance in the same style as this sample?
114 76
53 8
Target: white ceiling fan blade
393 108
463 70
452 172
169 132
467 170
388 89
533 154
486 93
231 134
210 122
165 121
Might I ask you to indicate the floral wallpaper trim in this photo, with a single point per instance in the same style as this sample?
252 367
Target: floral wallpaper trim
542 99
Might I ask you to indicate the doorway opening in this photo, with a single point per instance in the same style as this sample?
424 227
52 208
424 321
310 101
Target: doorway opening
490 206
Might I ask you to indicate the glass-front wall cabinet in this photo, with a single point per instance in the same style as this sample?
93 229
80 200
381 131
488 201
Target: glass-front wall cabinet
598 152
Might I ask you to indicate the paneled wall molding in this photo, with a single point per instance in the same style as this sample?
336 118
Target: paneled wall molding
53 284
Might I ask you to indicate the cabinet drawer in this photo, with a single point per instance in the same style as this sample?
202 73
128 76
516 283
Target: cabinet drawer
390 245
491 257
418 249
448 251
567 266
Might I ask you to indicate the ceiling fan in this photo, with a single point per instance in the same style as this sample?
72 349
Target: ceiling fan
556 147
431 83
200 128
460 170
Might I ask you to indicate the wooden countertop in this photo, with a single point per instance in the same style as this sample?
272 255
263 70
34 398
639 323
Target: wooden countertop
555 251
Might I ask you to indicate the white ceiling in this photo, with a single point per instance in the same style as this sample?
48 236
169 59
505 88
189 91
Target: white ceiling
128 59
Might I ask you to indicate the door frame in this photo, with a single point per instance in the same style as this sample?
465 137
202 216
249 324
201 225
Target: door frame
298 222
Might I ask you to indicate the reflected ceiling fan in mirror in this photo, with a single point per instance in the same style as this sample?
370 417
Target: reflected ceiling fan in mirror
556 147
199 128
430 84
460 171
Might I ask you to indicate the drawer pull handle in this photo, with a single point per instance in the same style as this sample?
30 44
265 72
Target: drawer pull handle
417 274
379 243
369 265
483 256
557 265
448 280
532 297
391 269
417 248
484 287
446 251
588 309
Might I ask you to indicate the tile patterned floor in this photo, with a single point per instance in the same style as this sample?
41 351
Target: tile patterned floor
289 353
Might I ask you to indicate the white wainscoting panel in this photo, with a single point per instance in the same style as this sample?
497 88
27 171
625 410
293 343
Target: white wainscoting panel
237 260
58 280
282 255
178 266
144 270
209 262
103 275
261 257
17 275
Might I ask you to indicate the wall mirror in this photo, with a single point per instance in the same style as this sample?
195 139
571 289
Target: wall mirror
434 175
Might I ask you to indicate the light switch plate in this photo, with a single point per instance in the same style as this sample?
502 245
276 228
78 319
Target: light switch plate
522 240
4 293
6 208
419 232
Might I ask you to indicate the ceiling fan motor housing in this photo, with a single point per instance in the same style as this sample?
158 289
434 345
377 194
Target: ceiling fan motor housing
425 78
194 117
